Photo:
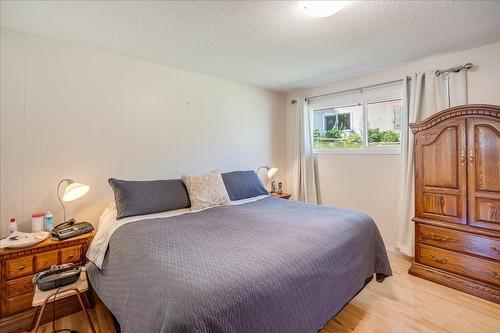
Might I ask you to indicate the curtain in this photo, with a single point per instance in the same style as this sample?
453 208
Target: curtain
304 175
423 96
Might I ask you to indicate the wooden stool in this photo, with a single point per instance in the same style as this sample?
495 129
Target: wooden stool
42 298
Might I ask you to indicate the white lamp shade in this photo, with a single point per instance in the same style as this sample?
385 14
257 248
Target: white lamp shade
74 191
271 172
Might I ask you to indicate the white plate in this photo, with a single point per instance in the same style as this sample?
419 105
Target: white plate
25 239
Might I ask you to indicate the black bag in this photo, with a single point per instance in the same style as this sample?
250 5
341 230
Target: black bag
57 276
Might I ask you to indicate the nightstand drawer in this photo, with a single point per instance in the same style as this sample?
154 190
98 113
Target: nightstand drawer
19 267
19 286
44 260
71 254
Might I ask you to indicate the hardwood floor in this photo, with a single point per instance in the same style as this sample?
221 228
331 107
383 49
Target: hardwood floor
403 303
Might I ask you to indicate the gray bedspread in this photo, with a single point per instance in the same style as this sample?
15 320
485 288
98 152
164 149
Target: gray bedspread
267 266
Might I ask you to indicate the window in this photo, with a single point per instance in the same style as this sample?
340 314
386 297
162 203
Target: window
384 123
364 122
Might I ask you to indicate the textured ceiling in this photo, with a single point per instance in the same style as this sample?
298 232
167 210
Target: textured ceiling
271 44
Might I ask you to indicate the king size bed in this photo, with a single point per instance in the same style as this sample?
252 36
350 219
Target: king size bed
255 265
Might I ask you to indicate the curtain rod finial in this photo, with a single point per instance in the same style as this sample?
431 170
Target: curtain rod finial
293 101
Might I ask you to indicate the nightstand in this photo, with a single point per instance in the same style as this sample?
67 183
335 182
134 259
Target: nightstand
17 267
281 196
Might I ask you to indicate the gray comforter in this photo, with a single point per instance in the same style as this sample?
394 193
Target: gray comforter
266 266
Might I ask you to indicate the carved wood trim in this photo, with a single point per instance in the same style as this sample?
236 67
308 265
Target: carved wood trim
485 110
29 251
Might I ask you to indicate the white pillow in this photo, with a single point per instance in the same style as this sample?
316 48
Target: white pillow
206 190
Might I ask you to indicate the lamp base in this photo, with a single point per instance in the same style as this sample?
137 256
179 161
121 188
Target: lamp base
273 186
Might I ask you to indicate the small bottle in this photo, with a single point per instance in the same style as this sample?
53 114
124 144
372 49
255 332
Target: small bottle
48 221
12 225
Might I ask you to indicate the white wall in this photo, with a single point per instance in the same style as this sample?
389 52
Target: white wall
73 112
370 182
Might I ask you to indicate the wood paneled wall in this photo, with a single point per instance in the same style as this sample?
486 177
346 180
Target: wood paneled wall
73 112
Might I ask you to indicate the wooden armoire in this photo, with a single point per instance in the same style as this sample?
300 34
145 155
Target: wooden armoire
457 199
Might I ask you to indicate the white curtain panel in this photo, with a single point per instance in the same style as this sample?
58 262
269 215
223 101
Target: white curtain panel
304 175
424 95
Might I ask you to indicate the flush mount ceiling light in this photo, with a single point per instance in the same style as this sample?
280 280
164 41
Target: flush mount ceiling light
322 8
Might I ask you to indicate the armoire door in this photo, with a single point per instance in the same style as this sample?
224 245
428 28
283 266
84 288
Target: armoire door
440 172
483 137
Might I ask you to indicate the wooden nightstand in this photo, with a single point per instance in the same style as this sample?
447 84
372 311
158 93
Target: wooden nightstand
281 196
17 267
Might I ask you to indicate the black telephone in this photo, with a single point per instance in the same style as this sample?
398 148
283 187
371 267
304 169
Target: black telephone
71 228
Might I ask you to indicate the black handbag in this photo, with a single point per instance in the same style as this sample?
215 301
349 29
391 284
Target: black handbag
57 276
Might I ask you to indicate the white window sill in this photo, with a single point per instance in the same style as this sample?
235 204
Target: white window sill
365 151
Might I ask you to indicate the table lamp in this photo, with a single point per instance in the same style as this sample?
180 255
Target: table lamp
72 192
270 175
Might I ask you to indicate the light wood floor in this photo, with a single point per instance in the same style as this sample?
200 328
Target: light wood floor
402 304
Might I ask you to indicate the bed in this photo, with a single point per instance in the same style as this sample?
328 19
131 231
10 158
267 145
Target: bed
259 265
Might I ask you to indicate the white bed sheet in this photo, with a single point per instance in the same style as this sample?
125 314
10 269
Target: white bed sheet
108 224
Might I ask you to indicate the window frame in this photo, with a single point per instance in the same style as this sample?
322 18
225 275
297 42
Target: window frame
377 95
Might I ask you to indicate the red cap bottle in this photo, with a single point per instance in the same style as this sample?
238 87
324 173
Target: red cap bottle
12 225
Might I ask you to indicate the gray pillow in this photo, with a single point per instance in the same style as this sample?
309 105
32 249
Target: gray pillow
243 185
147 197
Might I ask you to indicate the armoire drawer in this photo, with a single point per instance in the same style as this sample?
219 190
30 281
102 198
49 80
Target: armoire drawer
459 241
462 264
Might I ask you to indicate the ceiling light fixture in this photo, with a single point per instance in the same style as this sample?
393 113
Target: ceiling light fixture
322 8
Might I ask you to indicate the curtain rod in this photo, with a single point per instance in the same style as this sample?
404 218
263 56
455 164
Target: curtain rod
456 69
438 72
355 89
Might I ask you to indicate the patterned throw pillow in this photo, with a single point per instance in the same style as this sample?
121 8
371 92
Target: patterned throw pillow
206 190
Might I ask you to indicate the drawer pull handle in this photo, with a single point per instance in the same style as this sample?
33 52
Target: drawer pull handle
70 256
437 238
441 261
496 274
20 267
494 248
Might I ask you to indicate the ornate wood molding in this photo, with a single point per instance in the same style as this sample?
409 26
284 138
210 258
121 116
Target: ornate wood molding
457 111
